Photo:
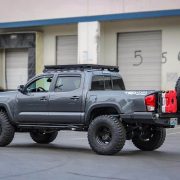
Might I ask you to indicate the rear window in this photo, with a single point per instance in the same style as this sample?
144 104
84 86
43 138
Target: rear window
118 83
107 82
97 83
100 82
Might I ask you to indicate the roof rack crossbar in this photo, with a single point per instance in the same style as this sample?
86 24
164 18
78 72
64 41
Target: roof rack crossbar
80 67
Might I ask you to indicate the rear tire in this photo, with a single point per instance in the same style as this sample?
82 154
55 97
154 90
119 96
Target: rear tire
153 141
106 135
43 138
6 130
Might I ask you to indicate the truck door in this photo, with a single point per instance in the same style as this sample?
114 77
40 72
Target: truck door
65 103
32 105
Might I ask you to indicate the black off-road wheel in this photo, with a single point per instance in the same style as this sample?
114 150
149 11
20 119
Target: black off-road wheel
149 140
106 135
6 130
43 138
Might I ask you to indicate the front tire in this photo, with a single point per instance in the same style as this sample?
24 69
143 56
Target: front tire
6 130
106 135
151 141
43 138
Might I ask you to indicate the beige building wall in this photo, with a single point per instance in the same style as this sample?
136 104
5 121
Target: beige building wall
170 43
39 52
46 52
49 40
2 69
23 10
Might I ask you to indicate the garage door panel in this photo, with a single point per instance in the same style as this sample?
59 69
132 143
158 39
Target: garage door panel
145 72
16 67
145 35
130 63
149 72
140 47
67 50
140 78
142 73
148 59
136 45
139 42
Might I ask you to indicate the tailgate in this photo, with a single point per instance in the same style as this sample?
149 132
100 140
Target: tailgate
168 102
167 106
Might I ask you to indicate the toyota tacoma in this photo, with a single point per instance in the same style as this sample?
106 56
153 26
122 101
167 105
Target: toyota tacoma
88 98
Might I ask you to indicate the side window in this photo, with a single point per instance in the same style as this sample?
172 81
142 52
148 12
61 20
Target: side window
97 83
107 81
118 83
40 85
67 83
101 83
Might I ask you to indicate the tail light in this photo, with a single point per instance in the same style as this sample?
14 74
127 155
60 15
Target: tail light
169 102
150 102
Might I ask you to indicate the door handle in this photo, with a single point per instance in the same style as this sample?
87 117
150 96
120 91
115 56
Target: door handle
43 98
74 97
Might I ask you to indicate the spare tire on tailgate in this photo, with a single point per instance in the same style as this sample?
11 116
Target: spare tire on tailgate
177 87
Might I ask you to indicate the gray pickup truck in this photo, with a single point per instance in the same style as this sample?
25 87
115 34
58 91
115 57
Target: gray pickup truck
88 98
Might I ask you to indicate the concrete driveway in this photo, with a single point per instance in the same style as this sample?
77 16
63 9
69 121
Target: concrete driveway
70 158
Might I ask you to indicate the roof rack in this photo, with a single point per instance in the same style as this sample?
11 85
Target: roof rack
80 67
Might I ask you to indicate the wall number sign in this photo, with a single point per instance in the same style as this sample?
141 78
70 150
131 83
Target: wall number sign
137 54
164 57
139 57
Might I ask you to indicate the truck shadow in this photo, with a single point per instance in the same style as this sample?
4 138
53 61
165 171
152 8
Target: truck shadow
161 154
50 147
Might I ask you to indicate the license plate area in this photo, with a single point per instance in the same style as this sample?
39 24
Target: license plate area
173 121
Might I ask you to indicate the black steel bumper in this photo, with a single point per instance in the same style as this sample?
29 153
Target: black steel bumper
150 118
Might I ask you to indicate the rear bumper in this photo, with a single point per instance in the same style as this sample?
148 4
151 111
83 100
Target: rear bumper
149 118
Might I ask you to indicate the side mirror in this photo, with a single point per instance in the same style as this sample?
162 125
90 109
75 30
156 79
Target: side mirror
21 88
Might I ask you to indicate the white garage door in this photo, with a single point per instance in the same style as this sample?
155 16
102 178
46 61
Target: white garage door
139 59
16 68
67 50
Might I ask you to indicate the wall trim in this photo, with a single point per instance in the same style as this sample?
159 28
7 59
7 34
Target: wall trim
107 17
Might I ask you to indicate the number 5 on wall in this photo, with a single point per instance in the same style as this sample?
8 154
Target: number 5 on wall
137 54
164 57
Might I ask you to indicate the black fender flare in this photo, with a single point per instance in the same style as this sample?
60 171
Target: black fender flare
100 105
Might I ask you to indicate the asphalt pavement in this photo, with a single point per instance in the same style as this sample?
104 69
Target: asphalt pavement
69 157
